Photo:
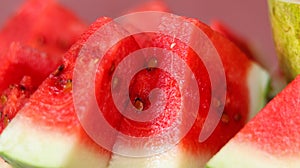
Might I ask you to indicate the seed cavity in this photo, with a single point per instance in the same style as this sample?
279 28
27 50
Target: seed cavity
138 104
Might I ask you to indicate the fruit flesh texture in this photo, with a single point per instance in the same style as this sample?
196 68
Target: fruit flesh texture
189 152
32 26
271 139
51 108
32 45
13 99
285 19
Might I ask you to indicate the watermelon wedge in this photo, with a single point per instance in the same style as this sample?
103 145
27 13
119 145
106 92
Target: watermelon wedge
244 98
271 139
31 45
48 122
39 24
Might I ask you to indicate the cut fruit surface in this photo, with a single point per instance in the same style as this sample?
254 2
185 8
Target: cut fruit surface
39 24
271 139
239 71
49 123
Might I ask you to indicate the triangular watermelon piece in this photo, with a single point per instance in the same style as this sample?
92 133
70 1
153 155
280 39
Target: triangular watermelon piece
241 101
31 44
46 131
271 139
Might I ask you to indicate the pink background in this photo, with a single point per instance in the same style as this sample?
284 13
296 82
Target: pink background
247 17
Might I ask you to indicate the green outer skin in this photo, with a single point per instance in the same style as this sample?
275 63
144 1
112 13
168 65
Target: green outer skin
285 20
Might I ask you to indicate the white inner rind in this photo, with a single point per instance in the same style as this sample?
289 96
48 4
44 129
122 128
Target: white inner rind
28 144
243 155
258 84
174 158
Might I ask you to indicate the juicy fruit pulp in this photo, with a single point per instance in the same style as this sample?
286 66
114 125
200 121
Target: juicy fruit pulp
189 152
271 139
51 108
31 46
285 17
48 122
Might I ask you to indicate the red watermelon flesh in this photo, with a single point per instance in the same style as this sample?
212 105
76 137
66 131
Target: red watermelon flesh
271 139
50 112
44 25
13 99
21 60
189 152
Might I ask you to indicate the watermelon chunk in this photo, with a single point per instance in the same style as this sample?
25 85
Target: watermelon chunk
48 122
32 43
39 24
244 98
271 139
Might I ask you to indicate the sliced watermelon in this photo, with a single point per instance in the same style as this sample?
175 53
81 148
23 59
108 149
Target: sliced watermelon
32 43
271 139
44 25
48 122
246 83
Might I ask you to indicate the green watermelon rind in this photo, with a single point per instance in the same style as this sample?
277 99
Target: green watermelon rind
285 18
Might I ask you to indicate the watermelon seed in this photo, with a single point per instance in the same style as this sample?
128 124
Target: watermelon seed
59 70
5 120
3 99
115 82
225 118
172 45
237 117
68 85
152 63
22 87
112 68
217 102
138 104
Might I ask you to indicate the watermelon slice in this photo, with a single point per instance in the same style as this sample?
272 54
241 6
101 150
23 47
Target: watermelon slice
48 122
244 98
31 44
39 24
271 139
